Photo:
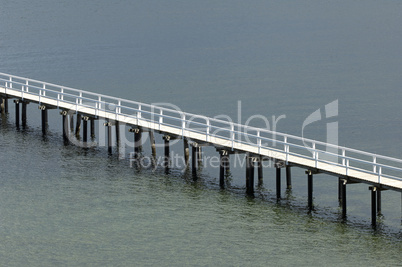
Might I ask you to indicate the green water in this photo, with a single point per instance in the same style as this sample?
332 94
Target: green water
66 206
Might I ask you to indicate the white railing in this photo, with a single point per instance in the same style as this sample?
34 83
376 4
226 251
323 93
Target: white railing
260 139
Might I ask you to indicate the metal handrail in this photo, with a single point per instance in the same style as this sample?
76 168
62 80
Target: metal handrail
184 120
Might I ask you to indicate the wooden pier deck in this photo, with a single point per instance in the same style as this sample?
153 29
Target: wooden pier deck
350 165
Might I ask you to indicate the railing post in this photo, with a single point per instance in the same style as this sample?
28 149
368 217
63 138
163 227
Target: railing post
139 112
343 156
44 89
347 167
374 164
26 87
379 174
259 141
80 98
11 82
286 148
183 123
232 134
208 129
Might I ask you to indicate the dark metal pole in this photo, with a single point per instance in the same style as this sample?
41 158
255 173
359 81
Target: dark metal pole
378 201
278 182
373 206
288 177
85 131
78 125
310 190
260 172
44 119
222 170
92 128
17 112
24 113
343 190
109 137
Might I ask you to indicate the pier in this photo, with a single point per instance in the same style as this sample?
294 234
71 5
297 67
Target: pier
347 165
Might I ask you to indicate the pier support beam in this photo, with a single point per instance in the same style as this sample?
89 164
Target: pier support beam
288 177
224 161
85 130
71 123
108 124
17 112
260 172
4 105
310 189
117 131
343 183
278 181
186 151
44 118
152 141
78 126
167 151
373 190
249 175
24 113
378 201
138 141
64 125
92 128
194 159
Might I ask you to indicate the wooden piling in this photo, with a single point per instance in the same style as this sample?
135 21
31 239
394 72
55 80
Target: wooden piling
186 151
343 199
249 175
222 170
278 181
152 141
310 189
194 159
288 177
24 112
64 125
167 151
85 130
373 190
117 131
92 128
260 171
17 112
71 123
378 201
44 118
78 125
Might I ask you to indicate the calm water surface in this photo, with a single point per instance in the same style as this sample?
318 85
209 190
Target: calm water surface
62 205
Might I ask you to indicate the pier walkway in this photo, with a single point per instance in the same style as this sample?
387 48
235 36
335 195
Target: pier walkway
349 165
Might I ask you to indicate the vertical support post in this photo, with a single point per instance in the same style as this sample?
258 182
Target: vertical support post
343 200
64 125
71 123
17 112
199 155
373 206
194 158
92 128
340 190
278 181
167 151
44 119
78 125
108 124
378 201
152 141
222 169
24 113
260 172
138 141
186 151
310 189
6 105
249 175
85 130
288 177
117 129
